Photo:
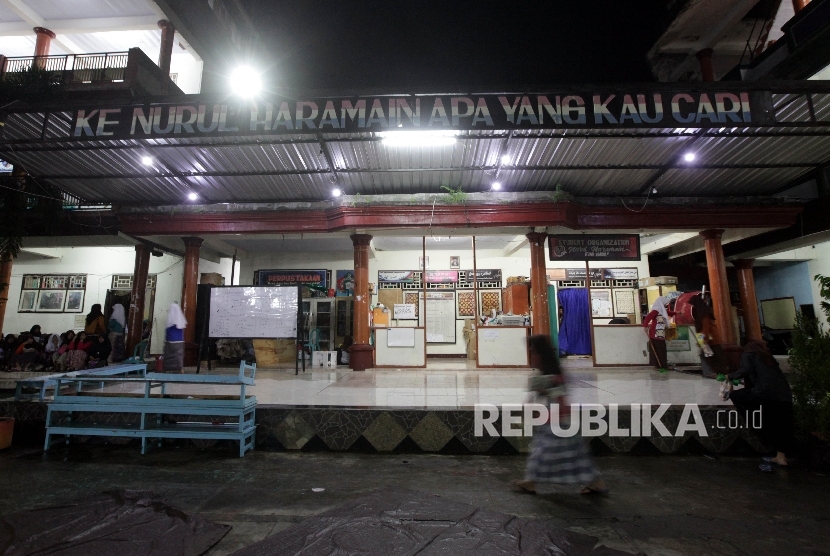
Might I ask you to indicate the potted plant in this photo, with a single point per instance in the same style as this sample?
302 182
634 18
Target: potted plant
810 365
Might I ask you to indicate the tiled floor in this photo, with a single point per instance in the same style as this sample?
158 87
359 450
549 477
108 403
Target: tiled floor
457 384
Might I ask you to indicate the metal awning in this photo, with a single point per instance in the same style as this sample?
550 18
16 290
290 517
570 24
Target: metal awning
755 160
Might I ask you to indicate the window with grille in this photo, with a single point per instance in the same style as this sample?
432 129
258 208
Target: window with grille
125 282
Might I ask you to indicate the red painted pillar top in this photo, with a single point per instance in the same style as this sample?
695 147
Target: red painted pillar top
168 33
719 286
704 57
540 315
43 41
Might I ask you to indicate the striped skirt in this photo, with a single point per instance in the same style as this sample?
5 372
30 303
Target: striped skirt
559 460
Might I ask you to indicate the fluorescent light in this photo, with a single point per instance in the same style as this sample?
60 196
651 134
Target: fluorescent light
146 160
418 138
689 157
505 159
336 192
496 186
246 82
192 196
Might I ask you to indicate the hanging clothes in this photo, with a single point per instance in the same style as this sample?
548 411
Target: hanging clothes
575 332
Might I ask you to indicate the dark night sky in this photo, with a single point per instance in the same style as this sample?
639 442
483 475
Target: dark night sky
454 44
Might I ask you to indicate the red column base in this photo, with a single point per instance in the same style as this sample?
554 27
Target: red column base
361 357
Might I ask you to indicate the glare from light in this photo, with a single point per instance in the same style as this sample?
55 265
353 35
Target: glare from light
146 160
418 138
192 196
246 82
689 157
496 186
336 192
505 159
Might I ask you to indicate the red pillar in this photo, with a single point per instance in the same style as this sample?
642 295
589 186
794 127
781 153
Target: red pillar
135 318
539 313
799 5
749 303
5 282
360 356
724 333
168 33
190 283
43 41
705 59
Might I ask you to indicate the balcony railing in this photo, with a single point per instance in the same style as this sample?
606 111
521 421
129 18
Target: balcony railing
74 68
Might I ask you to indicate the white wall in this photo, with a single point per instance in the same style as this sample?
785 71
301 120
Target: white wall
518 264
189 71
99 264
818 262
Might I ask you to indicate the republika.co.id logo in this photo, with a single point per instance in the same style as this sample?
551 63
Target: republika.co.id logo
598 420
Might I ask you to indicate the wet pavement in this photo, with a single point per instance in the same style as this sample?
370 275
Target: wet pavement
659 505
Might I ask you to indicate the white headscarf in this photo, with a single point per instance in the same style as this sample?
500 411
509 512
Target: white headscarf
50 347
118 314
660 305
175 317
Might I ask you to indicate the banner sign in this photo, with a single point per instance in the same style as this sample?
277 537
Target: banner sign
566 109
396 276
596 273
442 276
283 277
591 247
484 275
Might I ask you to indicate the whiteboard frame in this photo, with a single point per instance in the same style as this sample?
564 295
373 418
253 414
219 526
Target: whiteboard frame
204 339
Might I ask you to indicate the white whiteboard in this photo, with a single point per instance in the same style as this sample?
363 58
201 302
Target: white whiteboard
253 312
440 317
400 337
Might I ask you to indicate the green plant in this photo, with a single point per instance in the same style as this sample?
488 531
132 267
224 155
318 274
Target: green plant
560 195
455 196
810 369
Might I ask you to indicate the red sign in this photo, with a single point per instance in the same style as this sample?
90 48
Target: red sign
442 276
594 247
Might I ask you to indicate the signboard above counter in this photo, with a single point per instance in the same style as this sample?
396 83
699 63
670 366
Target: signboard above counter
594 247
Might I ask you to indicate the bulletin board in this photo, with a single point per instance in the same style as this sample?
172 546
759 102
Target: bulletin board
779 314
440 317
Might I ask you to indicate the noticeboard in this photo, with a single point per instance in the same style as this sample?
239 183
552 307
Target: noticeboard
594 247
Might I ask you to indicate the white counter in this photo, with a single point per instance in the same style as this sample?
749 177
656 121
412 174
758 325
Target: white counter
502 346
399 356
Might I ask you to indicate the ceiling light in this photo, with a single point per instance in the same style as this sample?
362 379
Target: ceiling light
336 192
689 157
246 82
418 138
496 186
192 196
146 160
505 159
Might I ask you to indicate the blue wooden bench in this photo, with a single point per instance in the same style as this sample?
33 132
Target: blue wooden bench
36 387
152 401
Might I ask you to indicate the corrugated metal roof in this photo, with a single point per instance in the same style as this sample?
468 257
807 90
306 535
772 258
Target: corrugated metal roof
583 162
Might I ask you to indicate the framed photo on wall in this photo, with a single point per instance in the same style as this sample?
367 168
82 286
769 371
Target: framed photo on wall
75 301
455 262
51 301
28 299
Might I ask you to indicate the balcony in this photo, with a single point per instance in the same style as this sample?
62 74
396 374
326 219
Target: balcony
129 71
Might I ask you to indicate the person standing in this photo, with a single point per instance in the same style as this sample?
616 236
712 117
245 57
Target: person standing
95 323
554 459
174 340
656 322
117 323
766 388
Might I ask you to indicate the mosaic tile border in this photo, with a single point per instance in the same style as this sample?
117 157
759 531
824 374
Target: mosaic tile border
397 430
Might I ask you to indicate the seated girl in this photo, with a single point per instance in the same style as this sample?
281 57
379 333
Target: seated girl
78 353
99 352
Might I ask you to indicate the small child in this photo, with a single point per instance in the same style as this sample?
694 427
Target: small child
343 351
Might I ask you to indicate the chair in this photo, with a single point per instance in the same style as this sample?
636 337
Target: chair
138 353
313 343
